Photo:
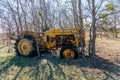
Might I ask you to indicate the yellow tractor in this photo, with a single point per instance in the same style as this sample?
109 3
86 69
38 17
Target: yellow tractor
66 39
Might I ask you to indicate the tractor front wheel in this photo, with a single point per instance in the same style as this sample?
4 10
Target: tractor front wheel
68 52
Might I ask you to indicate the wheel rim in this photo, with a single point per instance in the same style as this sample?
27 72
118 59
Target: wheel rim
68 53
24 47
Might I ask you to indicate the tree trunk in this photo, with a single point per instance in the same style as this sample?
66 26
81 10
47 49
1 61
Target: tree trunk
89 46
19 17
115 30
75 13
81 27
93 28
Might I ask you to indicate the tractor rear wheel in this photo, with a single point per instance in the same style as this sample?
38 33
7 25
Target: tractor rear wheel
68 52
25 46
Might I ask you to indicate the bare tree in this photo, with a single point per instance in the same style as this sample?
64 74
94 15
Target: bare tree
95 9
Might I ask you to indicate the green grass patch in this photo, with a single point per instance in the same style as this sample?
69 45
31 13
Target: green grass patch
47 68
36 69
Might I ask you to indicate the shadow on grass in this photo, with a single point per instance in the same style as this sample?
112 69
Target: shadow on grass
105 65
55 62
17 61
93 63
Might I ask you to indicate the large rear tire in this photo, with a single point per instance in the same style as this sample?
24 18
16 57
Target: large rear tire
25 45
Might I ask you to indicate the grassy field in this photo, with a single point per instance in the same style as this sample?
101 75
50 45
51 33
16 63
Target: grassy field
105 66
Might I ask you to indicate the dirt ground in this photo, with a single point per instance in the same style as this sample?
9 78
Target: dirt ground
109 49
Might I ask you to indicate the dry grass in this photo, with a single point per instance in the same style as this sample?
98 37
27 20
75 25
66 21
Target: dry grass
105 66
6 50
